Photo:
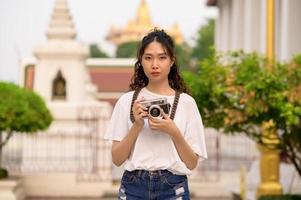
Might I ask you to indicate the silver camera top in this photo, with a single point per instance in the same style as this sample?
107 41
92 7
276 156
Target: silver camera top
157 101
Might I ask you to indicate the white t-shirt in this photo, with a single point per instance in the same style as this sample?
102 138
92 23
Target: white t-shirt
154 151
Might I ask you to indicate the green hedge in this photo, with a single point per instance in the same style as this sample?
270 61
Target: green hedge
281 197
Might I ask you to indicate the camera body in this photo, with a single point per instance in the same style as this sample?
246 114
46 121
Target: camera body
154 106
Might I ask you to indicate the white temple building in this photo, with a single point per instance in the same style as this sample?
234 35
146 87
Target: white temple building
241 25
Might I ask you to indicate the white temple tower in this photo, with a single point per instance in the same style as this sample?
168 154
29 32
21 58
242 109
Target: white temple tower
60 72
73 146
61 76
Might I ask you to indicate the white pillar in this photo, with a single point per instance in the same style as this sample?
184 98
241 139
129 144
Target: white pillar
283 51
278 28
263 40
217 32
225 24
294 28
252 28
237 26
248 26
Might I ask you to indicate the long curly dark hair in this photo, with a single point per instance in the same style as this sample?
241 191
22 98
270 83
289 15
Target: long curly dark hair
140 80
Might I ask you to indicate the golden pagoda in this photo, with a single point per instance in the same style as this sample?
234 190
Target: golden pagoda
175 32
140 26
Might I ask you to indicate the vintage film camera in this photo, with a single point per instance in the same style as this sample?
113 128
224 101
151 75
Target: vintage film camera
153 107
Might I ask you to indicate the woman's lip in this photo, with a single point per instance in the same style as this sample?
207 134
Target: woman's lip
155 73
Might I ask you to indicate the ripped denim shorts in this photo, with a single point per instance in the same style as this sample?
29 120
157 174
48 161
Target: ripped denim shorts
153 185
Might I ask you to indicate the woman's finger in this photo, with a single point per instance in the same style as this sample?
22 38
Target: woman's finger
165 116
141 115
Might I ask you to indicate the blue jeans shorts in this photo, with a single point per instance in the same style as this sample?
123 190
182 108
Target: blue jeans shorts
153 185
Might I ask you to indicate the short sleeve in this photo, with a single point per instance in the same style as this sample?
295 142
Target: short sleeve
194 133
118 125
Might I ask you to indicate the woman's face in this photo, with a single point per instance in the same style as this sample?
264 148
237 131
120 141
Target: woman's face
156 62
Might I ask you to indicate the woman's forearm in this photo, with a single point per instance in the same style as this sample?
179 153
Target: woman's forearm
185 152
121 150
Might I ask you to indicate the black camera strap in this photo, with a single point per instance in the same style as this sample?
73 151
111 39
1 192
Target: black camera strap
173 109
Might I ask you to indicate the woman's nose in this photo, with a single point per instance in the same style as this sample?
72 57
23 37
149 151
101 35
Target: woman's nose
155 64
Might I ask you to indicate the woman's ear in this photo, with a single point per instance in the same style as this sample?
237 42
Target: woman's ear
172 63
139 64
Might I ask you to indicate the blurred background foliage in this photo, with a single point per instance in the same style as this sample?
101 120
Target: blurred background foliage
237 93
127 50
22 111
96 52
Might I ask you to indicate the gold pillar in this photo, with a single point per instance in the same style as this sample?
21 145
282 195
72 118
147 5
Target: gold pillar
269 161
269 158
270 45
242 182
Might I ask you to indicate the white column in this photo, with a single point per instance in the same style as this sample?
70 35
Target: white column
294 28
228 26
218 29
278 28
252 28
248 26
225 24
283 50
237 26
263 40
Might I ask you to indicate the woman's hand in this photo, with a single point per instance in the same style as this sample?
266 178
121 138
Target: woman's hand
165 124
139 112
184 150
121 150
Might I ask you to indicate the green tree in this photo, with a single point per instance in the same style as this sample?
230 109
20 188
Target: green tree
127 50
204 42
21 111
95 52
183 53
236 93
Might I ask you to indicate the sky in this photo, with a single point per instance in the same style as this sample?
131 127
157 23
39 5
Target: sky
23 23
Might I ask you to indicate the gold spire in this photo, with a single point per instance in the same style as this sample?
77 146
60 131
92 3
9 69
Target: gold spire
61 24
140 26
143 16
175 32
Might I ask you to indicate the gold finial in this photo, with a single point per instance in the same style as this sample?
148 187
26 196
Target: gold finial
143 16
269 135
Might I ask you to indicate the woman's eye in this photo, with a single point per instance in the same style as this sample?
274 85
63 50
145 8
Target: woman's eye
147 57
162 57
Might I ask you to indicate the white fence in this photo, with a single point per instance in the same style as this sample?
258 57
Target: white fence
85 153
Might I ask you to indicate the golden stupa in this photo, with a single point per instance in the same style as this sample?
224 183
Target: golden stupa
140 26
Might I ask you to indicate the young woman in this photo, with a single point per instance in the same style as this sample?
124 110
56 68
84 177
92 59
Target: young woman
157 152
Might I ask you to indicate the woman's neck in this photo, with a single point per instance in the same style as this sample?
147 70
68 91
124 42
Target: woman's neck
162 89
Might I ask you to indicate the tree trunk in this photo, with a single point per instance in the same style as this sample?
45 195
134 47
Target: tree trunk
293 156
3 143
1 149
3 172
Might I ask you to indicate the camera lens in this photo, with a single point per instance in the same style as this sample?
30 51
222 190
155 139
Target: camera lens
155 112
